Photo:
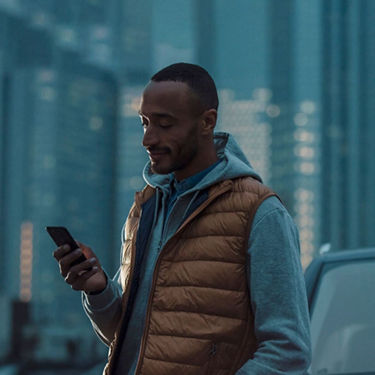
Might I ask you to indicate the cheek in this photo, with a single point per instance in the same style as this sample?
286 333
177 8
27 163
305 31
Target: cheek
183 143
189 148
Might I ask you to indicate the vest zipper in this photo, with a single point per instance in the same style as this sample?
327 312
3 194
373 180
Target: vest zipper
227 186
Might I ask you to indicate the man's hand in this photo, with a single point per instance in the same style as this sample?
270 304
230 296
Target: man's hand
88 275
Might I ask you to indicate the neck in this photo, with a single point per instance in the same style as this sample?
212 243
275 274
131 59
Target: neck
209 158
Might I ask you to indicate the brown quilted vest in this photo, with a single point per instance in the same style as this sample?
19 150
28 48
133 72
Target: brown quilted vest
199 319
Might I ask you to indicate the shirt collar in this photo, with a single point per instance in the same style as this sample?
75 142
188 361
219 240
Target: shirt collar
189 182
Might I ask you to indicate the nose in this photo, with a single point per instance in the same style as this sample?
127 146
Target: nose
150 136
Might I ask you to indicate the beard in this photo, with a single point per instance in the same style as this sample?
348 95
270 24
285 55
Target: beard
171 163
178 158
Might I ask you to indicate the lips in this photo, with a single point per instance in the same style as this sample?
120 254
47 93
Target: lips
157 154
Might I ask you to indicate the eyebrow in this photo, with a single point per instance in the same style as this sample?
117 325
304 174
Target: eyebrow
159 115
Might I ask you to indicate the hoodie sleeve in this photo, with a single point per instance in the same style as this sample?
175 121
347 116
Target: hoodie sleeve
278 295
104 309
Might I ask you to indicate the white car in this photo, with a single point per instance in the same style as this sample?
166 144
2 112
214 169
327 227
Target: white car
341 292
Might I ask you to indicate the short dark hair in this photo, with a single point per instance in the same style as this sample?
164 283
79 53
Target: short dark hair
196 77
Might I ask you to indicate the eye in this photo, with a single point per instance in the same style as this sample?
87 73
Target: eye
165 125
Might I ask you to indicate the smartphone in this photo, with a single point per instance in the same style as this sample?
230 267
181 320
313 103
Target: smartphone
61 236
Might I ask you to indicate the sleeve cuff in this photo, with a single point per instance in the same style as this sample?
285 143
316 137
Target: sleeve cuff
105 298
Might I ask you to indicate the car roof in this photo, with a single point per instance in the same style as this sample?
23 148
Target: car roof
313 271
348 255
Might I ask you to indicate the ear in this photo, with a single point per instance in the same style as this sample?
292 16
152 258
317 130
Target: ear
209 119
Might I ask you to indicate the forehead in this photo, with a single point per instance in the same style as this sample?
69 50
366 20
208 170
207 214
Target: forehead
170 97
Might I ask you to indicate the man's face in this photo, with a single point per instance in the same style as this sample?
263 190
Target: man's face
170 121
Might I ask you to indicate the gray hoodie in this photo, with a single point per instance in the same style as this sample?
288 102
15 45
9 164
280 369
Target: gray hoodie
277 288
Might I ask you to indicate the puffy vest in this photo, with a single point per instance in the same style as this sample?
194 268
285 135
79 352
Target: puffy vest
199 319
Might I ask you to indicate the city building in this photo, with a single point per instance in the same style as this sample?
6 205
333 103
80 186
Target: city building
348 133
58 136
247 122
133 68
59 119
266 62
296 82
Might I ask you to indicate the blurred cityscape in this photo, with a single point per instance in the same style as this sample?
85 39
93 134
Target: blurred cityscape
296 87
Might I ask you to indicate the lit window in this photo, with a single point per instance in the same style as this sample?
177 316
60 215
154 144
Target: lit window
130 105
304 152
303 136
305 221
306 247
307 168
262 94
304 209
26 261
300 119
306 257
304 195
306 234
308 107
273 110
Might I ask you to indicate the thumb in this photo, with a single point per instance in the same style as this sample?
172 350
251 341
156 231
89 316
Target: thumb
86 250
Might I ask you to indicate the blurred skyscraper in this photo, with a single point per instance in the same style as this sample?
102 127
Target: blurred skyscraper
264 53
71 154
295 69
133 66
322 82
247 120
314 60
154 34
58 122
348 131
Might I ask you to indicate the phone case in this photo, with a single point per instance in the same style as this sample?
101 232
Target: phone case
61 236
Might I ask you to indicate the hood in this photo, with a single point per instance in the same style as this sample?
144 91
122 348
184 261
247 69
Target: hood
233 164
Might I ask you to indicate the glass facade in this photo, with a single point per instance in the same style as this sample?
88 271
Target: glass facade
248 123
59 125
296 80
348 135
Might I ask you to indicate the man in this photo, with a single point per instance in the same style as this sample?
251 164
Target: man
210 280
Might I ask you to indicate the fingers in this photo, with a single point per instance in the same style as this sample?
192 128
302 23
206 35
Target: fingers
79 283
79 270
86 250
66 261
61 251
81 280
78 274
